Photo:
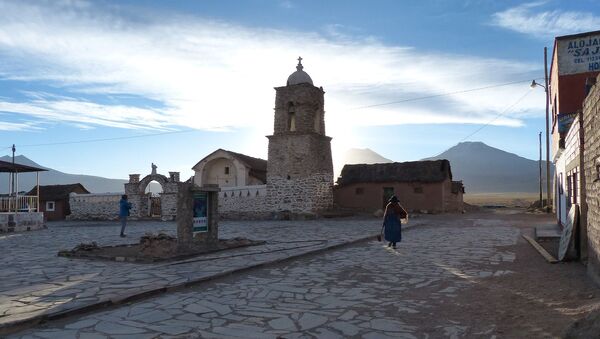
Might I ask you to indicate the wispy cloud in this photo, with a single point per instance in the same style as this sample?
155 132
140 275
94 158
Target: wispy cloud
530 19
17 126
214 75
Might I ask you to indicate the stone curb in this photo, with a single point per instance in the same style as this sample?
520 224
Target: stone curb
20 325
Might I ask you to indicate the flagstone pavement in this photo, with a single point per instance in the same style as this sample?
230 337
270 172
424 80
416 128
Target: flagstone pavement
365 290
36 282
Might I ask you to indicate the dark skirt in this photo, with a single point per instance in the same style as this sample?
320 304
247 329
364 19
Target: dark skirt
392 230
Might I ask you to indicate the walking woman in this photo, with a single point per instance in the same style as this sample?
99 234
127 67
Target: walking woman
391 221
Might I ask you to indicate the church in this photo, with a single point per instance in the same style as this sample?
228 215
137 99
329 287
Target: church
297 179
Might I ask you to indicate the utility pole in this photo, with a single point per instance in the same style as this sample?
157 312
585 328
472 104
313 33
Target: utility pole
548 207
12 174
12 179
540 165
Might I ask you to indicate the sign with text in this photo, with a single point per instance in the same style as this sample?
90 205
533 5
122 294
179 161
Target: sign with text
579 55
200 208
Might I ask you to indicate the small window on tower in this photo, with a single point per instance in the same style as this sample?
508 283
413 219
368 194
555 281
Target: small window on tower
291 117
360 191
226 169
418 189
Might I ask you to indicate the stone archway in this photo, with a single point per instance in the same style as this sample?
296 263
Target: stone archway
147 201
136 188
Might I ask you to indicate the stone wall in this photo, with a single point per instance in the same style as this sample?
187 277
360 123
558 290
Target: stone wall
306 195
19 222
247 202
591 125
299 173
103 206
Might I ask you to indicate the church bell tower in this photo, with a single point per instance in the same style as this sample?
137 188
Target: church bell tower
299 169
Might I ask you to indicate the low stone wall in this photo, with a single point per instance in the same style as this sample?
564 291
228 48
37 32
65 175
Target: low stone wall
246 202
26 221
103 206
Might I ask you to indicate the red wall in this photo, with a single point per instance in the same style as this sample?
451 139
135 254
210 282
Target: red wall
436 197
59 212
571 91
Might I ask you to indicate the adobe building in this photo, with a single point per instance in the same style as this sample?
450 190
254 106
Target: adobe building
421 186
229 169
54 199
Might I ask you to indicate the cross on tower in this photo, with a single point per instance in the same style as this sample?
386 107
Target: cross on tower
299 60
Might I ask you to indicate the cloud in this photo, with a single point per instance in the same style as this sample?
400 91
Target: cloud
212 75
18 126
545 24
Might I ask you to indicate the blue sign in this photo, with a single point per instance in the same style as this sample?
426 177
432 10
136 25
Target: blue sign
565 121
200 209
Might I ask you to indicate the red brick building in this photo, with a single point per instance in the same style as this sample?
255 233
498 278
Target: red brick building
424 186
54 199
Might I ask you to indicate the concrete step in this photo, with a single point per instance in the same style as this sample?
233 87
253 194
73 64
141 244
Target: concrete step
548 232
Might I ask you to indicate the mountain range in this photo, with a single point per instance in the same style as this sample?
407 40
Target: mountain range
482 168
93 184
485 169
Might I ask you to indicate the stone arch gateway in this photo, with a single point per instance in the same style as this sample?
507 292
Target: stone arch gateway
135 190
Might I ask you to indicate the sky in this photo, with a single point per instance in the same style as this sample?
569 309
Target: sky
108 87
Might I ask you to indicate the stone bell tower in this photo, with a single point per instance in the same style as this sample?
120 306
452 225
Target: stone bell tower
299 169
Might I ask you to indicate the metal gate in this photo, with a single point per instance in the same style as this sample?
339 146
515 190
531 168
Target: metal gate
155 207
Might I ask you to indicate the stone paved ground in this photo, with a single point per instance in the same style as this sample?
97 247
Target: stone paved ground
455 276
35 281
366 290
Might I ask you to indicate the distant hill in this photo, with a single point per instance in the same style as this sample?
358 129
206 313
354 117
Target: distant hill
485 169
363 156
53 177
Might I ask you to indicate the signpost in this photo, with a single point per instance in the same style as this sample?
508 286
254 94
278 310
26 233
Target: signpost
197 216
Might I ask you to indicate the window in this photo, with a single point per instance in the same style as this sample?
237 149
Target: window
569 191
359 191
226 169
291 123
50 205
418 189
575 191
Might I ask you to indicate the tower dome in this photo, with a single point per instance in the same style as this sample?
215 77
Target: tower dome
299 76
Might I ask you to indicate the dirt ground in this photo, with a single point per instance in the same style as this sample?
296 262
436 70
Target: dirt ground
511 199
540 300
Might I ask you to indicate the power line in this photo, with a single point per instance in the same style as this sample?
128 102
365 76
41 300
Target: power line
502 113
107 139
497 116
442 94
355 108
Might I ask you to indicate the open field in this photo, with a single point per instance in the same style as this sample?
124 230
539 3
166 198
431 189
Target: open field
509 199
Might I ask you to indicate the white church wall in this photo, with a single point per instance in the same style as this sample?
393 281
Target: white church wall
243 202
